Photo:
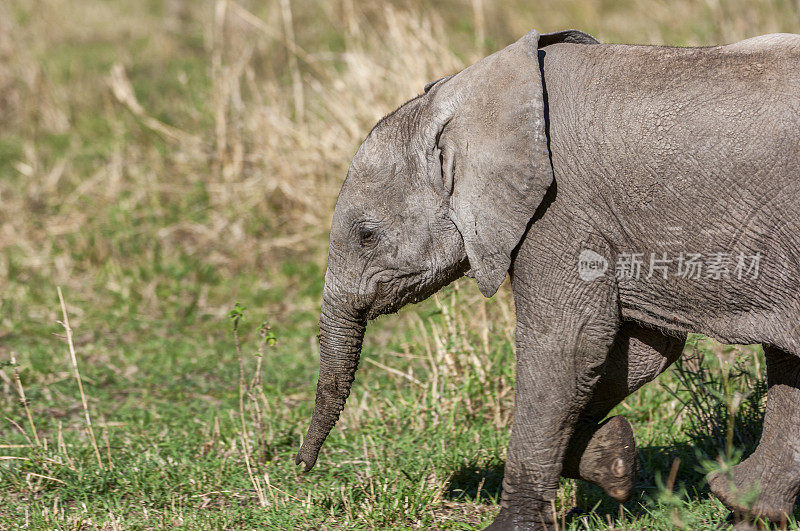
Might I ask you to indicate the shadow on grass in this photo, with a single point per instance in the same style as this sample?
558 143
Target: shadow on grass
482 483
655 465
478 482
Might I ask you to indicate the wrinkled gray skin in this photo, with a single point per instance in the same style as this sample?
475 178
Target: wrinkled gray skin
553 146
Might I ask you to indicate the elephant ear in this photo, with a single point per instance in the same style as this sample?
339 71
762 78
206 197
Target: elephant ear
495 159
571 36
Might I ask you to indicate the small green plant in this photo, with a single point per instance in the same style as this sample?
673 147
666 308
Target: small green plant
237 315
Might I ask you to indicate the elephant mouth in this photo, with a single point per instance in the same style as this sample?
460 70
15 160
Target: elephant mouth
413 287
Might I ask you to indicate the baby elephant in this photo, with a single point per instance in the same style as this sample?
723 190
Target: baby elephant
633 194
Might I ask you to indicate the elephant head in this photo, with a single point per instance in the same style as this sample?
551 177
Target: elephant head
445 184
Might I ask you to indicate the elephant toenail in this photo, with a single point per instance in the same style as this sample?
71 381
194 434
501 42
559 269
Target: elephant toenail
618 468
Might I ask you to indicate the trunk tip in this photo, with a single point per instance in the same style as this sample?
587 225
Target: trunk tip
305 459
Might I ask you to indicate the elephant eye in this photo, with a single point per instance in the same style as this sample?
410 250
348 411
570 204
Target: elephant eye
367 236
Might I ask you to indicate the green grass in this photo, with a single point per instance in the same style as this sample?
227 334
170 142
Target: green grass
403 455
154 236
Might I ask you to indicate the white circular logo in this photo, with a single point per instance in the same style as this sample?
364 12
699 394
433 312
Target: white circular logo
591 265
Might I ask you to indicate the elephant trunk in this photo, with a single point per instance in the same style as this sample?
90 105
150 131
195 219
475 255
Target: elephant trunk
341 332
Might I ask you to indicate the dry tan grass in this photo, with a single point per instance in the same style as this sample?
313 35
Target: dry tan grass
270 160
270 140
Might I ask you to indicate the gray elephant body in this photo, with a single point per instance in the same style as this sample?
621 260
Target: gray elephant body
664 152
693 150
550 151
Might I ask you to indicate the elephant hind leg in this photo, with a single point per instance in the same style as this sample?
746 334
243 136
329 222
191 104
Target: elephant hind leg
773 470
604 453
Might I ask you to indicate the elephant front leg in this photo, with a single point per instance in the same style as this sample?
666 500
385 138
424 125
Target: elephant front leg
556 374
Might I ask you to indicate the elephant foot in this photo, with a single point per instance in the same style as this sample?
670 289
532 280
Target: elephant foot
507 520
609 459
749 496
